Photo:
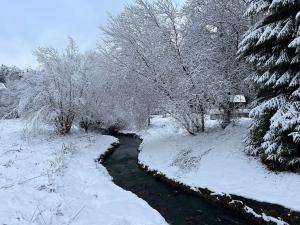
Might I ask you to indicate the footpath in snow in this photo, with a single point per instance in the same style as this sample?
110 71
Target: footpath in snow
51 180
215 160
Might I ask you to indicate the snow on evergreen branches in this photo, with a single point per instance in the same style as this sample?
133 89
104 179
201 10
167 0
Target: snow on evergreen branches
295 81
295 43
283 58
257 6
287 29
281 3
284 79
266 35
274 134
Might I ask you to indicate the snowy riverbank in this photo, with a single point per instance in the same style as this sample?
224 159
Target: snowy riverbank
50 180
215 160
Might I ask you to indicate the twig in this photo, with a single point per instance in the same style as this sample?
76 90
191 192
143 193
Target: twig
21 182
41 214
25 181
18 150
204 153
33 215
76 215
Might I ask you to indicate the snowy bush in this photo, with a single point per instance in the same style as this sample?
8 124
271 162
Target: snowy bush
116 126
11 85
56 93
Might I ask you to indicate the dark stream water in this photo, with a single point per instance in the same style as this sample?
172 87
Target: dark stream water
176 207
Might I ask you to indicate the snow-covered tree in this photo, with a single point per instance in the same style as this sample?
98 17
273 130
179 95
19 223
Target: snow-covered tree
177 54
10 78
186 56
143 44
57 92
214 29
272 45
91 83
4 73
125 99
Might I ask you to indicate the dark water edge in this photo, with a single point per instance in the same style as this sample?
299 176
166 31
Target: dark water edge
174 204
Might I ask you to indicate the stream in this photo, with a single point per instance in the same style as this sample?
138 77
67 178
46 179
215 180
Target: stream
176 207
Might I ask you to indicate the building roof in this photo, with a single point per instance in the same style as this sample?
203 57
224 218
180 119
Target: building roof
238 99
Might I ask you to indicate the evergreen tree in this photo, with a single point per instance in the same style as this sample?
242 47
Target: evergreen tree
272 45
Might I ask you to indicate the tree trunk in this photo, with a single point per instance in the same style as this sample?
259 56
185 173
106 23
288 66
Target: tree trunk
202 121
227 117
64 123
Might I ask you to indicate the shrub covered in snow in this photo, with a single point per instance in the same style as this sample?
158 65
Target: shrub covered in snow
57 93
10 91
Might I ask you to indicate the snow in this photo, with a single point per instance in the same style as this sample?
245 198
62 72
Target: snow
2 86
295 43
216 160
49 180
238 99
264 216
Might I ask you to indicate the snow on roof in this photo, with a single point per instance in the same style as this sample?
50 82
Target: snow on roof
238 99
218 111
2 86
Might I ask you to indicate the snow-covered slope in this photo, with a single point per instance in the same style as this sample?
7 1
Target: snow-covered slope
51 180
215 160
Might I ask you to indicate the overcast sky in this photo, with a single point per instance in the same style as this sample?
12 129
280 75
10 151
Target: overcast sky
27 24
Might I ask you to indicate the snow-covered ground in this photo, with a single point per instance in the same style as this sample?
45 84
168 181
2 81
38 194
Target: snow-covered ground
51 180
215 160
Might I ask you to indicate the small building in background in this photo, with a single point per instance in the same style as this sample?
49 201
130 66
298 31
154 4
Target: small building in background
238 100
238 105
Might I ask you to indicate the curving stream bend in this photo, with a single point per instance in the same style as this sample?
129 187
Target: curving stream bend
176 207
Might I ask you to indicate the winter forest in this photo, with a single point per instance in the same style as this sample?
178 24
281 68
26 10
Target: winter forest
192 108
